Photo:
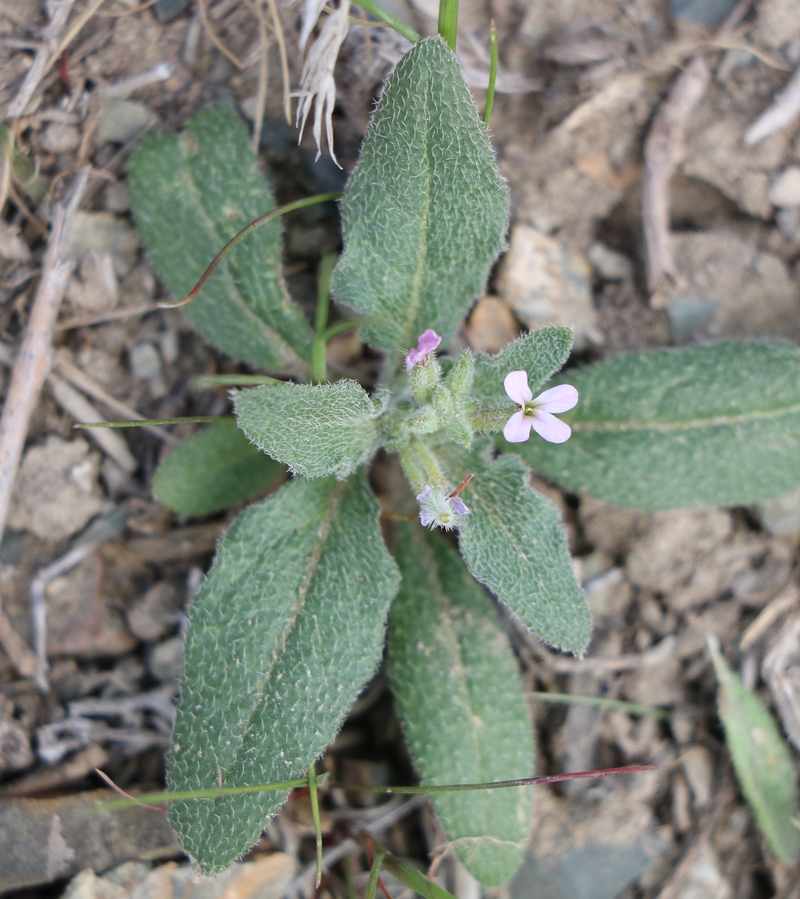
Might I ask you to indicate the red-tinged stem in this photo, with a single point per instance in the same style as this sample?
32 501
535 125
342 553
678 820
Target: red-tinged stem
500 784
461 486
248 229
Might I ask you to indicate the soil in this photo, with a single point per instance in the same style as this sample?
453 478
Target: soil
581 82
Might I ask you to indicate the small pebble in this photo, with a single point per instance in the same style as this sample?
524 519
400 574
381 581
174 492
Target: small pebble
784 192
609 264
166 660
122 120
547 284
12 246
491 326
58 138
145 362
116 198
701 12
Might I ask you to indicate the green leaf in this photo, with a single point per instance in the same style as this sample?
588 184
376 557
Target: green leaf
425 211
708 425
761 758
317 430
286 630
460 700
415 880
190 194
540 353
514 543
214 469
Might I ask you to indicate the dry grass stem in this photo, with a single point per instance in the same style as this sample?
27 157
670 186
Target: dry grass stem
35 356
79 408
214 37
73 32
277 24
84 383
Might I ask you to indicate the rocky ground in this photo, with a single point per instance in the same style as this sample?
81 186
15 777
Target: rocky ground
591 128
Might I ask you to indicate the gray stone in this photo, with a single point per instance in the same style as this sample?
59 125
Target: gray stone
47 839
609 264
753 289
546 285
168 9
104 232
60 138
12 246
784 192
122 120
97 289
701 12
688 314
56 491
781 515
166 660
145 362
586 851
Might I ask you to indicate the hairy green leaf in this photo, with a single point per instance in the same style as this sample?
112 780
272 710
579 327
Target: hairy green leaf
514 543
459 696
425 212
214 469
190 194
285 632
540 353
761 758
708 425
317 430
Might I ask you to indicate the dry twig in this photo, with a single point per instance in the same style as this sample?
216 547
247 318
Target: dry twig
663 151
781 113
16 648
39 66
35 357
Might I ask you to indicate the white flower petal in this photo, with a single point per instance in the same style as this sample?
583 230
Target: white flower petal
518 428
552 429
557 399
516 385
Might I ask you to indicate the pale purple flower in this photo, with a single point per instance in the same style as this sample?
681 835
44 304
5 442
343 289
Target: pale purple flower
426 344
437 509
537 413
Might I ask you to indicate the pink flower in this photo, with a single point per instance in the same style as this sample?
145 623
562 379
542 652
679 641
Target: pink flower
426 344
537 413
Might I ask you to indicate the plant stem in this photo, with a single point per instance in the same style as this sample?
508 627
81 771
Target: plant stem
603 702
200 419
314 795
369 6
232 380
213 793
372 883
487 112
448 22
342 327
319 362
248 229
